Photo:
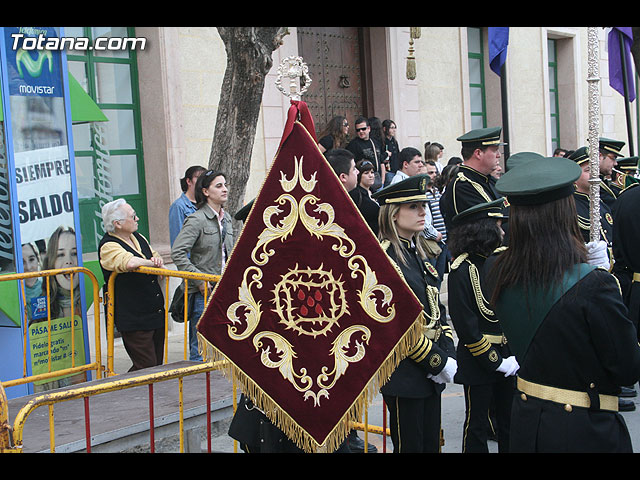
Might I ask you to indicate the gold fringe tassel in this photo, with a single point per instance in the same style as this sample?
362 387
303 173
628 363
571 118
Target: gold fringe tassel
295 432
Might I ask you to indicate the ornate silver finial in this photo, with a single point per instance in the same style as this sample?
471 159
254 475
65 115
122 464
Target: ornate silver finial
297 72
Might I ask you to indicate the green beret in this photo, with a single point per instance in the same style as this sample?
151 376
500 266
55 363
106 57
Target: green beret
520 158
628 164
543 181
481 137
493 209
611 146
580 155
243 213
409 190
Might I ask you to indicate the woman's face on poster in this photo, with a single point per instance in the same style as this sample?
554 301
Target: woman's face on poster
30 263
66 256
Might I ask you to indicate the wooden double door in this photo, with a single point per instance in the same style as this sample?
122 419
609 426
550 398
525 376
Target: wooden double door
336 57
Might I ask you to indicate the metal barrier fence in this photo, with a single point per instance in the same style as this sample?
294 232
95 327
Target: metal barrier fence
92 366
13 443
162 272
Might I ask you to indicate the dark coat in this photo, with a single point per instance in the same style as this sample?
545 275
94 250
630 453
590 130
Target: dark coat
410 377
584 343
477 357
469 188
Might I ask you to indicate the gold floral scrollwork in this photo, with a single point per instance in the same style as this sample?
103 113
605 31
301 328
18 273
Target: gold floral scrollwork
370 285
286 354
298 177
274 232
339 349
246 301
329 228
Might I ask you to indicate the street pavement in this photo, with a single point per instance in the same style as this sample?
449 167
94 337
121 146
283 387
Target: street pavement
452 405
452 412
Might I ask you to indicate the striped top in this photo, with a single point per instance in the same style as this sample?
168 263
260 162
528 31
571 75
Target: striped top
438 220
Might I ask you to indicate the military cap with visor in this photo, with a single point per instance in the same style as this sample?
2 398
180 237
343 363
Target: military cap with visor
493 209
628 164
520 158
481 137
542 181
610 145
580 155
412 189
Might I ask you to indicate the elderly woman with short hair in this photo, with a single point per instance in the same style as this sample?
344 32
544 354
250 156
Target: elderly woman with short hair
139 303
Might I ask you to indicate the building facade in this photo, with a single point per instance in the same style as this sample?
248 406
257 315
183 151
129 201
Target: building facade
161 101
180 75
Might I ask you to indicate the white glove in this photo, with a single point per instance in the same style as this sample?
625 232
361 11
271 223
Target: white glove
447 373
509 366
598 254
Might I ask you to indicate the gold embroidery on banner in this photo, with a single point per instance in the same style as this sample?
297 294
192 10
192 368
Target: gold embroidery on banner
309 301
370 285
246 300
284 350
318 229
289 185
272 232
342 360
319 296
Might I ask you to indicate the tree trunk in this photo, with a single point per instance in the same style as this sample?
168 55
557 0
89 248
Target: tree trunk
249 51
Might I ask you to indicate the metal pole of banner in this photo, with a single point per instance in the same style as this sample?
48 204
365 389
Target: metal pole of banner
623 61
593 79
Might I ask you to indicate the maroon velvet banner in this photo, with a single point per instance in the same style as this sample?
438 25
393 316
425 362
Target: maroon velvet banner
310 313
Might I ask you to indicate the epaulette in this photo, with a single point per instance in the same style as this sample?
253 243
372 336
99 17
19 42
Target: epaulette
500 249
458 261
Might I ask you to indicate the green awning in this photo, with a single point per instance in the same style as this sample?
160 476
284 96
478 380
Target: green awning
83 108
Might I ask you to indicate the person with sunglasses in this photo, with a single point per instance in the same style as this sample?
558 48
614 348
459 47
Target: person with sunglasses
204 244
363 147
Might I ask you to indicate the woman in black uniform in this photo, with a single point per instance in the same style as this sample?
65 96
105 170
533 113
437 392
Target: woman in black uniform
412 393
564 318
486 367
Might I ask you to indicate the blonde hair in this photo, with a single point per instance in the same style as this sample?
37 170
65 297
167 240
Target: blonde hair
387 231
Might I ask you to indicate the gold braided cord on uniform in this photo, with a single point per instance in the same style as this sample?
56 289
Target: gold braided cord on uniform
433 294
476 185
481 302
474 277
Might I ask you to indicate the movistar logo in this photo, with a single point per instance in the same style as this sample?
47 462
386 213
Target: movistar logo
34 67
